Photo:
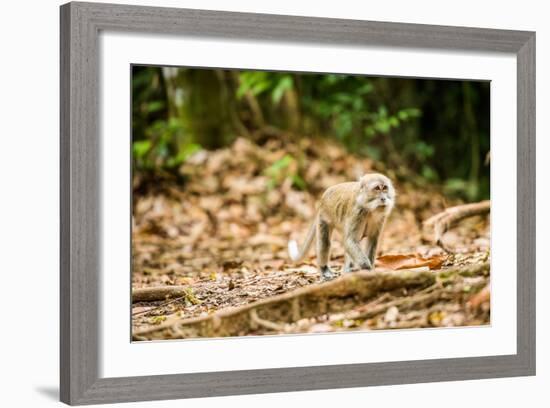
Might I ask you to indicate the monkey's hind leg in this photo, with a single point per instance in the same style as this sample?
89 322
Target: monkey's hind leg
348 263
323 248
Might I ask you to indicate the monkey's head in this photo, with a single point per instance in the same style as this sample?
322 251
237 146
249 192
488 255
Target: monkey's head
378 192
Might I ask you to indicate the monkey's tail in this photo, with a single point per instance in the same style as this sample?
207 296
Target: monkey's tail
297 254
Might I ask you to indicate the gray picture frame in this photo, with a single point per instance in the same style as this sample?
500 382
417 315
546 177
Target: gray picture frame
81 24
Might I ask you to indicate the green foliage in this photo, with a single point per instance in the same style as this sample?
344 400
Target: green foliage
436 131
284 168
160 139
161 148
260 82
381 122
340 101
463 188
141 148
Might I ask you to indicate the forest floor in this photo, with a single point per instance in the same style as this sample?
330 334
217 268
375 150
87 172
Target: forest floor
221 228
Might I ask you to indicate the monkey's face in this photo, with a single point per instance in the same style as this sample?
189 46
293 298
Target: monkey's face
379 191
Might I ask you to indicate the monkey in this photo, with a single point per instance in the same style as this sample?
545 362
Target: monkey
358 210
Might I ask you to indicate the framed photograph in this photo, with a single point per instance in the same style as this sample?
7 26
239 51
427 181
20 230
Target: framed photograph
262 203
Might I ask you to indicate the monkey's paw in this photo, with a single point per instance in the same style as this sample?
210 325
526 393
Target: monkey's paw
349 269
327 274
366 265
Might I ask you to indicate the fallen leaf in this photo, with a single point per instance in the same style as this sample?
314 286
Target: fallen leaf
484 295
409 261
158 319
436 317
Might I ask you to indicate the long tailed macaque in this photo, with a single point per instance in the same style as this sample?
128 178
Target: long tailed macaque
358 210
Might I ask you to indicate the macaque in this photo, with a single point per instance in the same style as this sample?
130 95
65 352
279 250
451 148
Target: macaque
359 211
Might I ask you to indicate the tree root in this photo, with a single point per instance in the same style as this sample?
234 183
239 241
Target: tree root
424 297
256 322
419 300
310 301
447 219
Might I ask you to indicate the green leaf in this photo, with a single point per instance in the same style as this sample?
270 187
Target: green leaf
140 148
282 86
280 164
298 182
344 125
184 153
255 82
429 173
409 113
403 115
383 126
155 106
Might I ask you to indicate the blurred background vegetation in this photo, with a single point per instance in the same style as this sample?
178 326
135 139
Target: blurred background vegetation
430 131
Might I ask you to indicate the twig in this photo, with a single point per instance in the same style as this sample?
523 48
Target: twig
163 304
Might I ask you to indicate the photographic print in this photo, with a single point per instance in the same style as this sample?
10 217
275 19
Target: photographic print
272 203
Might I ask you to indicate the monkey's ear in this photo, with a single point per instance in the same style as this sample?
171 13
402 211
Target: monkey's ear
363 182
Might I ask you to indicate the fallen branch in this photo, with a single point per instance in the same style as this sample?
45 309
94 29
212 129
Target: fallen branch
447 219
314 300
155 293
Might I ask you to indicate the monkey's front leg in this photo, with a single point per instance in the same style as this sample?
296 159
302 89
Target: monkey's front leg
371 245
352 235
348 263
354 250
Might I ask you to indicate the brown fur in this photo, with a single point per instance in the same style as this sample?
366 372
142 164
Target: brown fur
358 210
